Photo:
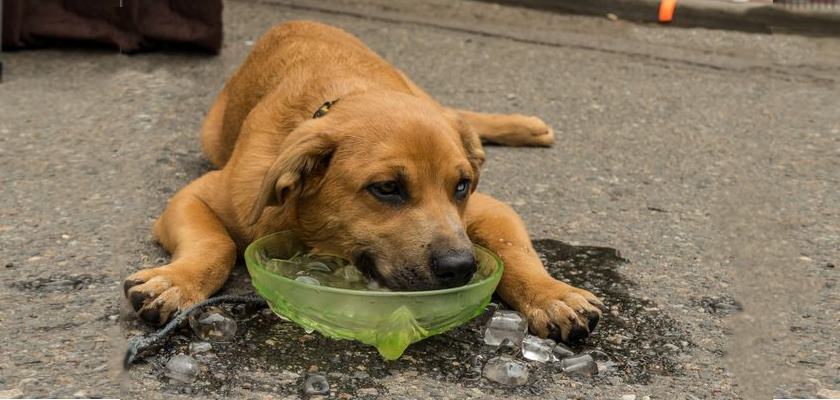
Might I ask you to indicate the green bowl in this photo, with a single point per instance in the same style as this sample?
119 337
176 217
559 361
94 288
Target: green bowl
390 321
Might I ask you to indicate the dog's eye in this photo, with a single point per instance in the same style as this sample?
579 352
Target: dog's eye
388 191
462 188
386 188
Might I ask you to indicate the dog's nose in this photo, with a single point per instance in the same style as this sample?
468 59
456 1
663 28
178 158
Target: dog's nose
453 268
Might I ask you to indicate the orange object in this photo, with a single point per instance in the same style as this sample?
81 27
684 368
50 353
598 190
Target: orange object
666 10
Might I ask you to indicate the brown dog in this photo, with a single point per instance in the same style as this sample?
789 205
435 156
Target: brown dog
318 134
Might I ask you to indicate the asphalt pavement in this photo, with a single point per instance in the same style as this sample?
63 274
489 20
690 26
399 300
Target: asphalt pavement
709 159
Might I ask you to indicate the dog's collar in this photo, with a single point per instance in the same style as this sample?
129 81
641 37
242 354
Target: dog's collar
324 109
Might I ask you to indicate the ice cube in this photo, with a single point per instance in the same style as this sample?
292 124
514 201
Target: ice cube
374 285
182 368
599 355
200 347
317 266
281 266
505 324
316 384
506 371
534 348
352 274
582 364
213 324
308 280
561 351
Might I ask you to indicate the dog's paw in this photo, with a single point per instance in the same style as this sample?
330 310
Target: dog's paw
562 312
534 131
157 293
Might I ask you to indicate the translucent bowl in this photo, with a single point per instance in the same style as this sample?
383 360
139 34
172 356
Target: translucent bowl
390 321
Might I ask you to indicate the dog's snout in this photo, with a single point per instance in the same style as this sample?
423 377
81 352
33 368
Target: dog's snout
453 268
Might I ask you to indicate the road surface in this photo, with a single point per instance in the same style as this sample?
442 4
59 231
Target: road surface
709 159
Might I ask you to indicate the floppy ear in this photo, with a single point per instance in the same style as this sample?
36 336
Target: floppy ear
286 175
472 146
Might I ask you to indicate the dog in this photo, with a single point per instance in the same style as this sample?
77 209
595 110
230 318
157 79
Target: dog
316 133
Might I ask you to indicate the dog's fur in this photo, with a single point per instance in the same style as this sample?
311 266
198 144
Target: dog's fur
284 166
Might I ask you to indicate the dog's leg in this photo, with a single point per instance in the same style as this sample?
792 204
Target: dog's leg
553 308
214 144
509 129
503 129
202 256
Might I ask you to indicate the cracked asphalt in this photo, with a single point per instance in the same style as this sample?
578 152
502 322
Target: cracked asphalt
709 159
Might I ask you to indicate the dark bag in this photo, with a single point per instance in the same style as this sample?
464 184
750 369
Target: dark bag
128 25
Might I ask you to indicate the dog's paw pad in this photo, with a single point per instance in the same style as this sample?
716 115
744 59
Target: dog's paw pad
563 313
155 297
128 284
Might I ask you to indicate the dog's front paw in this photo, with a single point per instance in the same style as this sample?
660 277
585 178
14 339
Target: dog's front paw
561 311
157 293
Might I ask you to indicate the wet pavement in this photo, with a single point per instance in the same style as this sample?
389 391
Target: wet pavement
634 342
641 339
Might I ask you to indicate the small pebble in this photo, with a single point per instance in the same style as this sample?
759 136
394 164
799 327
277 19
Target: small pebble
316 384
828 394
11 394
507 348
475 366
361 375
671 347
606 367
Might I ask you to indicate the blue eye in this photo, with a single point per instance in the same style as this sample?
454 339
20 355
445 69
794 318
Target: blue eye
462 189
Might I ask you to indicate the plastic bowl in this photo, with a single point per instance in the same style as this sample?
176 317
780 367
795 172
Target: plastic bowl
390 321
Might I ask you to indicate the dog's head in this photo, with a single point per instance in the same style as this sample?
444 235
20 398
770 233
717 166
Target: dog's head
383 180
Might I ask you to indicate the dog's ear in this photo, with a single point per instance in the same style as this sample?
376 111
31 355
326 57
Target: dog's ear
472 145
285 178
